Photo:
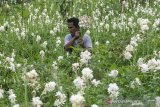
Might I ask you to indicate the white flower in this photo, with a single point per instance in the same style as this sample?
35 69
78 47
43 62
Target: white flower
16 105
32 74
142 21
135 82
85 55
13 54
132 84
158 65
88 32
107 42
47 21
57 103
87 73
114 94
12 67
75 66
50 86
94 105
56 29
10 92
143 24
156 23
36 11
95 82
79 83
52 32
16 30
12 96
1 54
144 28
1 93
60 58
113 73
125 3
129 48
127 55
18 65
38 38
97 43
36 101
23 34
134 38
58 38
58 41
2 28
138 38
101 24
140 61
113 90
157 101
6 24
10 60
42 53
130 23
133 43
44 44
77 100
144 68
61 96
61 99
114 27
112 87
158 54
152 64
107 26
54 65
83 61
84 22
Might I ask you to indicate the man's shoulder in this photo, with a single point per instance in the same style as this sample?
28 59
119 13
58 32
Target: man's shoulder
68 36
86 36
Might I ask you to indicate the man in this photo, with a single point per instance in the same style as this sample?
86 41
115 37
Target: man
74 38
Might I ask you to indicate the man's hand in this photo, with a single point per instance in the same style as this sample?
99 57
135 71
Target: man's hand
80 42
71 42
77 35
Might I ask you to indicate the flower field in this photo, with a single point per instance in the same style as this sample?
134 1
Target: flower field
122 70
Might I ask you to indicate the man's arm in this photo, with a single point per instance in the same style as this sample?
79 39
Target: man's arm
87 43
69 44
71 41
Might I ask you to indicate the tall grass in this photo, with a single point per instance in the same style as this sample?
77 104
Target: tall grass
27 21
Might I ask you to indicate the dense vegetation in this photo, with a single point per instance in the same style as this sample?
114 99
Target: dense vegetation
35 70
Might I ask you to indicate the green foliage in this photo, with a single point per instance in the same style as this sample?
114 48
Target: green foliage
105 56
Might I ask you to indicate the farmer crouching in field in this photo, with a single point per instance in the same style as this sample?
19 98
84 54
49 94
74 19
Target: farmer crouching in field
75 38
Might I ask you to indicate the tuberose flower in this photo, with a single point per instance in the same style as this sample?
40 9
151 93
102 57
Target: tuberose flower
77 100
50 86
36 101
113 73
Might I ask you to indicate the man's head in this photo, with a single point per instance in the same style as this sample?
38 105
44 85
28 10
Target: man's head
73 25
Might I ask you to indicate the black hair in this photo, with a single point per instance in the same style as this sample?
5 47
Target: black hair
75 21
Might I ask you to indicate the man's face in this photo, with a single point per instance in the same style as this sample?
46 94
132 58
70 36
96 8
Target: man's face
72 29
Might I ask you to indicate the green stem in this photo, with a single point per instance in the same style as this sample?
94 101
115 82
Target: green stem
26 97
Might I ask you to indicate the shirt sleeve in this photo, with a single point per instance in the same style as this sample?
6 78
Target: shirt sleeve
67 39
87 41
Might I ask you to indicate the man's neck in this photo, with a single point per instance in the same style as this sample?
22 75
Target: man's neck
72 35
